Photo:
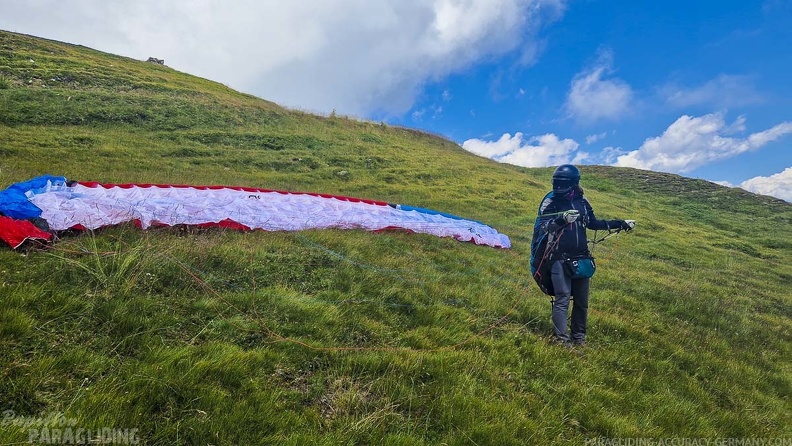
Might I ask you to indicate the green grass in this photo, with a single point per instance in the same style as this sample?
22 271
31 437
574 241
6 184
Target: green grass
328 337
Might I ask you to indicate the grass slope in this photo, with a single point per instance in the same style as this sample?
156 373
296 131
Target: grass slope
328 337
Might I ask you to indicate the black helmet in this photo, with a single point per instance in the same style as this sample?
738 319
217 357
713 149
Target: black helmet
565 178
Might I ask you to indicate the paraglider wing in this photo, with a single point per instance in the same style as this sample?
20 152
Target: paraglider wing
90 205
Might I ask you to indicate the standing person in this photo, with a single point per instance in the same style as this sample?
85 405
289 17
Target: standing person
560 259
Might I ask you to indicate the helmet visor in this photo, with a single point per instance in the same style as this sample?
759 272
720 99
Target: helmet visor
562 186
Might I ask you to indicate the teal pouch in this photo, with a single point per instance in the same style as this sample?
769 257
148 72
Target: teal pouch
581 268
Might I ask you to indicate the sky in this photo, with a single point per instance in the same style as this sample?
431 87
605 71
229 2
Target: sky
698 88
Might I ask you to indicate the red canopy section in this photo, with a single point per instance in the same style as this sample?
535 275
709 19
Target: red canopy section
15 232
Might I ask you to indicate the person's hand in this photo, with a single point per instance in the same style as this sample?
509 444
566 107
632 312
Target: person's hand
571 215
628 225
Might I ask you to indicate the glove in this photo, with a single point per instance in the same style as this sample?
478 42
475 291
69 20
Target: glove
570 216
628 225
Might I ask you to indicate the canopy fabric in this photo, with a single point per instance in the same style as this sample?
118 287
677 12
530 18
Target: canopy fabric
90 205
14 200
16 232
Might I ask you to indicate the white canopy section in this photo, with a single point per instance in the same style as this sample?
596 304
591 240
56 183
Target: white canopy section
92 205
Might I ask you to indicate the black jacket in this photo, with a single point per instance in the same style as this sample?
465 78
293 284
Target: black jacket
573 241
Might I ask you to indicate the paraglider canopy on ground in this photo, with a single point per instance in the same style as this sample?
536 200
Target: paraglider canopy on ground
57 205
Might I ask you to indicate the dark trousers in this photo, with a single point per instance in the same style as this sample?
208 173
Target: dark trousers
567 288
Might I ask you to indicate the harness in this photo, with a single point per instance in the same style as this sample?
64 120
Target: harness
539 263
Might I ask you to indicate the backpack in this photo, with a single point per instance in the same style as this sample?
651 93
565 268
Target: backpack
540 254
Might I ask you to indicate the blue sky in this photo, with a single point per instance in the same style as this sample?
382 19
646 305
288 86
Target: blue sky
697 88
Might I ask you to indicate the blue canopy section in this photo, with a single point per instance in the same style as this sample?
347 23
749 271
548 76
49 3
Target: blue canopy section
404 207
14 202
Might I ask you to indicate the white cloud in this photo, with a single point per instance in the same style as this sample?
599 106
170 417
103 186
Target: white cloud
778 185
691 142
536 151
591 139
592 97
610 154
724 91
357 57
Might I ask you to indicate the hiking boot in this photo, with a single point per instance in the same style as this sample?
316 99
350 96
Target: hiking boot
562 342
579 342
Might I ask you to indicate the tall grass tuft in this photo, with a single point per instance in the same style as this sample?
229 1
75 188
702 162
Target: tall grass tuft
110 267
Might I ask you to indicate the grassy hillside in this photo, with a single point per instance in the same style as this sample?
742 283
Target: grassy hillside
328 337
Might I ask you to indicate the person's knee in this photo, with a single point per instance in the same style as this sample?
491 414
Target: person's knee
561 300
